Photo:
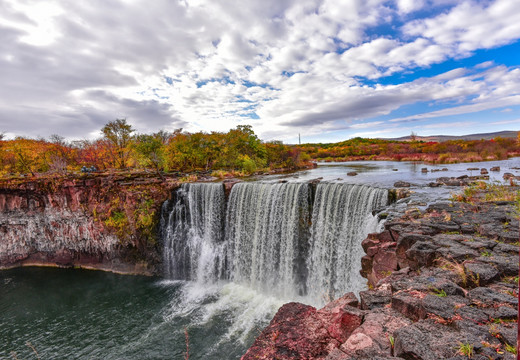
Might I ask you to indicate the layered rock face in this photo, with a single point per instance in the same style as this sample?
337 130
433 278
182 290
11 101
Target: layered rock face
444 285
88 222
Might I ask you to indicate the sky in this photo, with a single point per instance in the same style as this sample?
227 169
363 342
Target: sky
329 70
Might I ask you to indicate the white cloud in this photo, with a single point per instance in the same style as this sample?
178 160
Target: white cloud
447 125
505 122
407 6
366 125
471 25
211 65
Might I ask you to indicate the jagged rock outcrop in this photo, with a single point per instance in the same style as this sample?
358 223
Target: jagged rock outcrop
444 285
103 222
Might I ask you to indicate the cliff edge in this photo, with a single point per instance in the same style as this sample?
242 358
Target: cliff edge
106 222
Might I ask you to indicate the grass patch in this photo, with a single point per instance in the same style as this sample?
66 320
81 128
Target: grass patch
512 349
438 292
465 349
482 191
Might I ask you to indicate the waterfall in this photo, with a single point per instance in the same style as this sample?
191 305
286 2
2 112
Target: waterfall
285 239
339 223
266 227
192 228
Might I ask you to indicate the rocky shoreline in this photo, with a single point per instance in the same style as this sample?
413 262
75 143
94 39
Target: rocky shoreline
443 284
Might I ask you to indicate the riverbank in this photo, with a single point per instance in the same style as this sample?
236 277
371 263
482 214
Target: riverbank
443 284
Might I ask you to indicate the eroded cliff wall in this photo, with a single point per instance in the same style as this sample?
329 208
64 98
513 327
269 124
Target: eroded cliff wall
105 222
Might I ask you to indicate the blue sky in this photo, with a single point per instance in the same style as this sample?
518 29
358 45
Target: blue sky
329 70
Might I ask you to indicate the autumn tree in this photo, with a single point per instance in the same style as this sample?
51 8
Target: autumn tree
93 153
59 154
118 133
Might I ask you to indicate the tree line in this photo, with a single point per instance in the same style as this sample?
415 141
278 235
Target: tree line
238 151
121 147
445 152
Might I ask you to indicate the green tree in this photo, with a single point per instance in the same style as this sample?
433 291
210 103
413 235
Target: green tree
243 141
151 151
119 135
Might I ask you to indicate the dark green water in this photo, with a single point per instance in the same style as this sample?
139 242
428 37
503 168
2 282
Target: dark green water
80 314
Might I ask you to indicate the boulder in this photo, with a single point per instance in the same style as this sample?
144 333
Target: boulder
428 340
384 263
299 331
371 300
352 173
371 339
421 254
409 303
489 296
481 273
401 184
404 243
296 332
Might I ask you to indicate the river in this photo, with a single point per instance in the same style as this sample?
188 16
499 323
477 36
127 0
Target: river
82 314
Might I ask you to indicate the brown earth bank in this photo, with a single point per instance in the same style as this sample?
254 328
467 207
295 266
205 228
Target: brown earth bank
443 284
106 222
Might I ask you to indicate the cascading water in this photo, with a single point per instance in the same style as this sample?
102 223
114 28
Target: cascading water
192 233
266 233
340 221
284 239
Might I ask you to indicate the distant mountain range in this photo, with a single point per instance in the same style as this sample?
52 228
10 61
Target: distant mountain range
439 138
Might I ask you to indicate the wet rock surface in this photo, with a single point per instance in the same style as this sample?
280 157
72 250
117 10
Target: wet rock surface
443 282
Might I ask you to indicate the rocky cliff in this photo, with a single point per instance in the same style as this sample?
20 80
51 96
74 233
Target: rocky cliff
443 285
104 222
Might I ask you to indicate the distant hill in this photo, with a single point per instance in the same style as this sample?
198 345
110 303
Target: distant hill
440 138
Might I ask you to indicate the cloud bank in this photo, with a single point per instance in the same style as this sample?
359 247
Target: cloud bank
285 67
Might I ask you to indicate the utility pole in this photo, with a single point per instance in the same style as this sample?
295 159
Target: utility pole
299 139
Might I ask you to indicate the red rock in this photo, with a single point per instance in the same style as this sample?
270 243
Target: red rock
228 184
384 262
341 320
349 299
301 332
371 339
296 332
409 304
370 241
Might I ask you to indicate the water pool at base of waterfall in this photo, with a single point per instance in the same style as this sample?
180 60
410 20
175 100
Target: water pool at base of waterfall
83 314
